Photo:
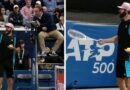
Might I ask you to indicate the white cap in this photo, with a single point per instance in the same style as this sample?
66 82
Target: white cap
9 25
125 5
38 2
15 6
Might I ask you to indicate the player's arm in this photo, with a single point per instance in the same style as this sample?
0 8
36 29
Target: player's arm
108 40
12 47
16 49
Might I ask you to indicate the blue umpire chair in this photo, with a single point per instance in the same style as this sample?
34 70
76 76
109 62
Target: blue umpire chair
26 79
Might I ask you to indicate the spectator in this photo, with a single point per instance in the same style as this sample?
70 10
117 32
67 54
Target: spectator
44 9
15 17
38 3
47 28
3 16
51 5
60 25
60 28
9 6
27 12
57 15
23 58
41 2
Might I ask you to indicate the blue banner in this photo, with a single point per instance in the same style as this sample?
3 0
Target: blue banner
88 63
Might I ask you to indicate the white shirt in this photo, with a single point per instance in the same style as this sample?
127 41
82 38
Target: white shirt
60 26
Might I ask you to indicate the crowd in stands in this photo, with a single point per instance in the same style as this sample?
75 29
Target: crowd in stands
19 12
23 12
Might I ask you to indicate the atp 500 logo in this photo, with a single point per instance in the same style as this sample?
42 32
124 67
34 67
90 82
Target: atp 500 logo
91 50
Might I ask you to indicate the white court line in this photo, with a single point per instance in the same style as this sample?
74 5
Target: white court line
92 24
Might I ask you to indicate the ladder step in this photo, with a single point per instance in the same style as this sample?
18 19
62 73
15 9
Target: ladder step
24 76
24 88
45 76
45 88
29 76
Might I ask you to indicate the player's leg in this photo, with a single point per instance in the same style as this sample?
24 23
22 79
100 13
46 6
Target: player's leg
1 74
10 83
1 80
9 74
120 73
128 83
121 83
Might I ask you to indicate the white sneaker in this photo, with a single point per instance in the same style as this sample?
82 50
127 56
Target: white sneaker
53 53
43 53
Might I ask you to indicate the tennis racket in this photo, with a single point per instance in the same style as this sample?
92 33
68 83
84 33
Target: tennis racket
79 35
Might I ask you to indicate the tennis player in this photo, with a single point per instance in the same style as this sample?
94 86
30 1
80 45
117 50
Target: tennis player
6 55
123 38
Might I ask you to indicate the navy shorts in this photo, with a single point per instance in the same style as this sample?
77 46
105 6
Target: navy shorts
120 69
6 67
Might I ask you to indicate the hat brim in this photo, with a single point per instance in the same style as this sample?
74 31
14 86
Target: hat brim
120 7
16 7
7 26
38 3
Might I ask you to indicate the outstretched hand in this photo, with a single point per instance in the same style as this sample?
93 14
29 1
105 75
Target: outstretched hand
101 42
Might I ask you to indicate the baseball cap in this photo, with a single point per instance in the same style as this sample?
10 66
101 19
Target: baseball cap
15 6
38 2
9 25
125 5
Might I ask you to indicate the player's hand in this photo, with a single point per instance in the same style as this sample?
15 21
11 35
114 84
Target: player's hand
101 42
11 46
127 50
17 50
